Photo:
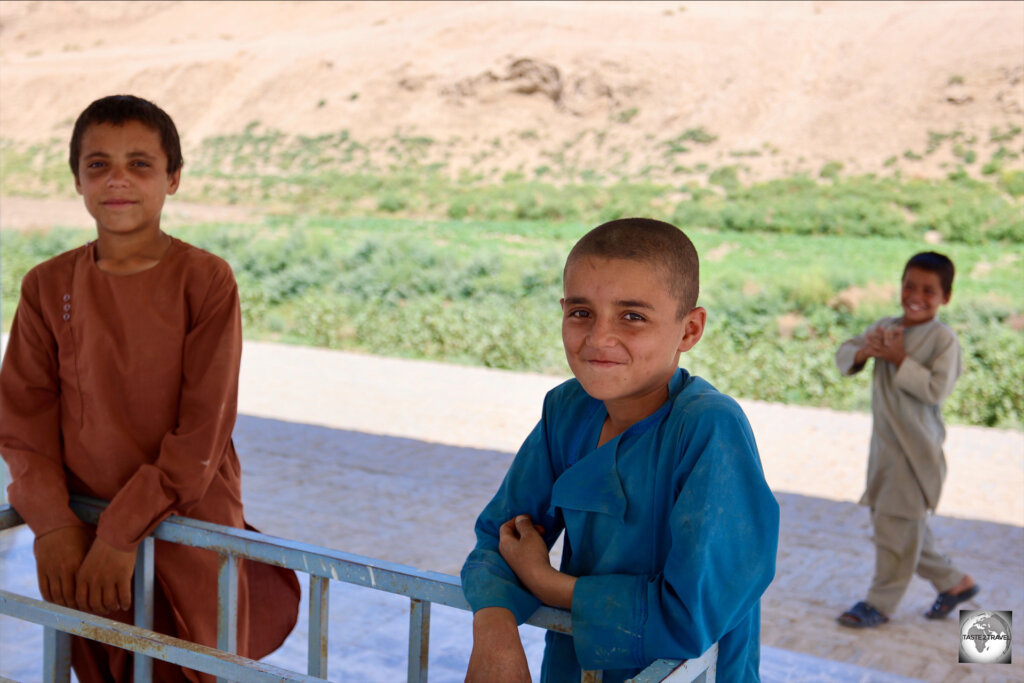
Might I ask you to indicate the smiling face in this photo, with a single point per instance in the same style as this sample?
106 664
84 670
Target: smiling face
122 175
622 332
921 296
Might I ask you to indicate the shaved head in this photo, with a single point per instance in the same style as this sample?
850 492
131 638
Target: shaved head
664 246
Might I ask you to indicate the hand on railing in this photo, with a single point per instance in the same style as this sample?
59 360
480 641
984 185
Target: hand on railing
105 579
59 556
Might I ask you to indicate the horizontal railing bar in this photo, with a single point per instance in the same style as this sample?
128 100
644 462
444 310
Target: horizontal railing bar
427 586
667 670
656 672
441 589
156 645
9 517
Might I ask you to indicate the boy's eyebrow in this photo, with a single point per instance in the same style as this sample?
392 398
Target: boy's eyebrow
621 303
633 303
133 155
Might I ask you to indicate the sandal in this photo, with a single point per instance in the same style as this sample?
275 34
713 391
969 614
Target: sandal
945 602
862 615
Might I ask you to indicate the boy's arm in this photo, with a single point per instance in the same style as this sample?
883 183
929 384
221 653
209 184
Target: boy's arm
31 446
487 579
192 453
932 384
30 418
854 353
724 535
498 599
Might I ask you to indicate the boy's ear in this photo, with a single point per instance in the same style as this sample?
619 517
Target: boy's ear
693 328
172 181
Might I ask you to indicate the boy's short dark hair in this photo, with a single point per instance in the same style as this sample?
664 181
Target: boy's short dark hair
651 241
936 263
120 109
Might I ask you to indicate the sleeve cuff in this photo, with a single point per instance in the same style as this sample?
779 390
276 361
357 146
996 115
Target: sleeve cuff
608 616
487 584
846 360
39 532
42 515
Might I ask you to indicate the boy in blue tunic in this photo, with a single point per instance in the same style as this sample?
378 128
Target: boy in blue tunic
671 530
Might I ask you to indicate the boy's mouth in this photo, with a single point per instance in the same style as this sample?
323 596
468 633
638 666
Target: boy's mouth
602 362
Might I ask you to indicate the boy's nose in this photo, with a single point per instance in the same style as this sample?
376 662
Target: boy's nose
601 334
116 176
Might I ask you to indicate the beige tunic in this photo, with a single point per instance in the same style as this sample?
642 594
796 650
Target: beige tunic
906 465
124 388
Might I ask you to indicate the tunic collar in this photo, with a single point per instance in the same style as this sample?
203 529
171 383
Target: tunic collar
592 483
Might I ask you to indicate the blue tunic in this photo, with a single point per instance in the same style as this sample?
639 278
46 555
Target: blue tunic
670 528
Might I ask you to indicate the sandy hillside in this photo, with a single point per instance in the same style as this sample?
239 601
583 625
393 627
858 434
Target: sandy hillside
781 85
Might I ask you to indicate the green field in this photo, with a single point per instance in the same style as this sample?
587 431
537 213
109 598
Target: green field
414 262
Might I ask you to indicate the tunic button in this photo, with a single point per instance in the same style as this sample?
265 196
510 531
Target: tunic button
67 316
67 307
67 297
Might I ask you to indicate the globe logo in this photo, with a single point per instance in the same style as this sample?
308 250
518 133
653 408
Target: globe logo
985 637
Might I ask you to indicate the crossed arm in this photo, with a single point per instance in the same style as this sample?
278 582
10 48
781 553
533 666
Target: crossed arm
498 654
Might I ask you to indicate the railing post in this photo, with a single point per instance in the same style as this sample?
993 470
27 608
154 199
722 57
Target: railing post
319 601
56 656
419 640
142 666
227 606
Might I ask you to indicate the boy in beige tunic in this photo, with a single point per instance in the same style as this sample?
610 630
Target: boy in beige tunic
917 362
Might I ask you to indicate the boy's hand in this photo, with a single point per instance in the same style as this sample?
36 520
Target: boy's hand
886 344
522 546
498 655
59 555
875 337
891 346
105 579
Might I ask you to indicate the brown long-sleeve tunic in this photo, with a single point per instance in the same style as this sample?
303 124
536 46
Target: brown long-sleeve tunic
124 388
906 465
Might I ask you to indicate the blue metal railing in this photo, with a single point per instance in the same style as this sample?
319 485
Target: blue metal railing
321 564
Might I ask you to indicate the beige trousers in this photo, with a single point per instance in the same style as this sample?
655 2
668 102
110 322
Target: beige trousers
904 547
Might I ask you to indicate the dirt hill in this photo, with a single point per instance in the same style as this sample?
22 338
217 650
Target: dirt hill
773 87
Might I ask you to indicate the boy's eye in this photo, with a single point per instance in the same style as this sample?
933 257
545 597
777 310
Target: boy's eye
634 317
578 313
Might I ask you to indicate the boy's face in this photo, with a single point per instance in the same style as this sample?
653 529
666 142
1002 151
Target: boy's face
122 174
921 296
621 332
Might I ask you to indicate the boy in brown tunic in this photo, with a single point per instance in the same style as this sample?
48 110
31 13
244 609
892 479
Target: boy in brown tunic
917 362
120 382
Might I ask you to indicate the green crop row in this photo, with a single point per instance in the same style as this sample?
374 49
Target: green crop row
486 293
